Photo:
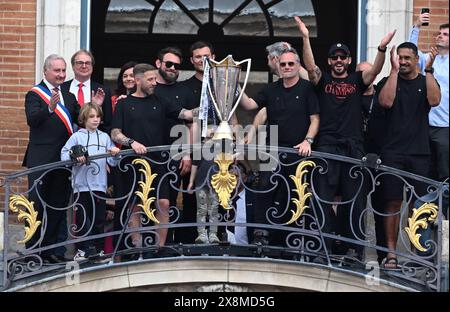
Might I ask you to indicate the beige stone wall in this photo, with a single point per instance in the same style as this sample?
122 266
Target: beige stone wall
170 275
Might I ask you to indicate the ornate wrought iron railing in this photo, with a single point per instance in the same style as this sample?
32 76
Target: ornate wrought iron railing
301 222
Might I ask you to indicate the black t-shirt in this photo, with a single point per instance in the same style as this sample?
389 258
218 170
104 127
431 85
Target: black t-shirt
195 92
179 95
194 87
407 119
340 108
289 109
145 119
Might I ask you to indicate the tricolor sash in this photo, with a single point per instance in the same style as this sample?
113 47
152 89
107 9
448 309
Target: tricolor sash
60 110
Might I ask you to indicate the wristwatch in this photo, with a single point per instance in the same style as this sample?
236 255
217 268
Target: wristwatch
130 141
382 50
309 140
429 70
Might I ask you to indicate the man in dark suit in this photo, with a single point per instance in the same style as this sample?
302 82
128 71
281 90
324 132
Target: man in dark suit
50 114
87 90
244 206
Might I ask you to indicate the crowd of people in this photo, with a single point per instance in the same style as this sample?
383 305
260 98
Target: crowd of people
403 119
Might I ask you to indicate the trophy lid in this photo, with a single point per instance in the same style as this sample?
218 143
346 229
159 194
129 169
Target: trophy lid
226 62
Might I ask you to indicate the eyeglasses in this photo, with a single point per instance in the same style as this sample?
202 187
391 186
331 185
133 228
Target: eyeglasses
284 64
170 64
81 63
336 57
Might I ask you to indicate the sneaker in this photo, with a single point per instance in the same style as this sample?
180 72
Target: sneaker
91 252
260 238
80 255
201 238
213 239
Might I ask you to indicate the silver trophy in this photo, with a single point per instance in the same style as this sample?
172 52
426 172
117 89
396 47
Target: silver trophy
224 90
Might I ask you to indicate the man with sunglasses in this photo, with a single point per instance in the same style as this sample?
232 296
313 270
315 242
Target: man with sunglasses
168 63
274 52
292 107
340 96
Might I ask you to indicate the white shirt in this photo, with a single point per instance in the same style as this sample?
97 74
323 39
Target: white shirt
240 232
51 87
86 89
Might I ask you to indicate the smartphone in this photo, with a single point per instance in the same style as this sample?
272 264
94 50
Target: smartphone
425 10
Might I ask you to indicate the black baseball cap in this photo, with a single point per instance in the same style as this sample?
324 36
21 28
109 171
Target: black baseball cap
339 47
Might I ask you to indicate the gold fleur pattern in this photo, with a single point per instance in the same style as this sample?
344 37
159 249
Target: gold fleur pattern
300 190
224 182
414 223
146 187
28 215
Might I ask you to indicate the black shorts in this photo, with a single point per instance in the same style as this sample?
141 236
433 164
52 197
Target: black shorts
128 182
392 187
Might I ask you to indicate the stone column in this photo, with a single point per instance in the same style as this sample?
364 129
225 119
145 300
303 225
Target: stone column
57 31
384 16
1 236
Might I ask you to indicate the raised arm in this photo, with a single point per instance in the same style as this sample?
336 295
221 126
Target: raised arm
314 71
370 74
433 89
414 38
388 92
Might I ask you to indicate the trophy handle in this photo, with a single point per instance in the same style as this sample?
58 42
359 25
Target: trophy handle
247 74
211 95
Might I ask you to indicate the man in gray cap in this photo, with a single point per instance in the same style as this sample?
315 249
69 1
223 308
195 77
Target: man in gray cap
340 132
274 52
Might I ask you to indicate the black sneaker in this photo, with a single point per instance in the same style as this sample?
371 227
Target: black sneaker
260 238
51 259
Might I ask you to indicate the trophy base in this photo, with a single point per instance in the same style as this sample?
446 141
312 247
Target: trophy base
224 131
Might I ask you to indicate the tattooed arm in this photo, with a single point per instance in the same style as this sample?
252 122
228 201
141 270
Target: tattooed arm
118 137
188 114
314 71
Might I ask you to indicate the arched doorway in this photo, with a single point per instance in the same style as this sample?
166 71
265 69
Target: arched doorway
242 28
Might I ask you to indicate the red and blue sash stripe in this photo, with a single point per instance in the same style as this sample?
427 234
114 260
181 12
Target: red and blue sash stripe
60 110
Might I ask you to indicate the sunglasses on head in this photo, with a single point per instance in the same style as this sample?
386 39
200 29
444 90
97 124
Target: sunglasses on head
284 64
170 64
336 57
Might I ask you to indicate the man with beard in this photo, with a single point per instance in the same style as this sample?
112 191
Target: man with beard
139 122
438 117
408 97
340 96
168 63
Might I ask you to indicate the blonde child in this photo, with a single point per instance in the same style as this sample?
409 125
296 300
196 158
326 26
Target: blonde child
89 179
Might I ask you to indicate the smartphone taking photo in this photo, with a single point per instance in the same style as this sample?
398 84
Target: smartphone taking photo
425 10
